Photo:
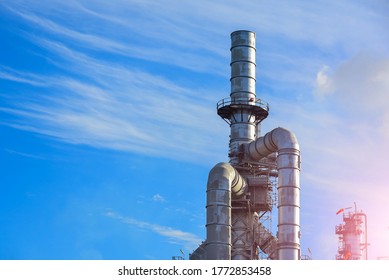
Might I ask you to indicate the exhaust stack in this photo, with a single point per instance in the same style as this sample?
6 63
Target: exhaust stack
242 111
239 194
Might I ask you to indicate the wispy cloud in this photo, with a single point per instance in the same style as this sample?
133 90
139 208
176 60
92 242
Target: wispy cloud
28 155
88 40
105 104
187 239
158 197
10 74
322 67
170 51
119 113
361 81
195 37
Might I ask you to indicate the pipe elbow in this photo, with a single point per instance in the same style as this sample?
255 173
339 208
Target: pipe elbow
274 141
284 142
223 180
225 177
284 138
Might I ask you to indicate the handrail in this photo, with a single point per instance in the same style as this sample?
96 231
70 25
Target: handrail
243 101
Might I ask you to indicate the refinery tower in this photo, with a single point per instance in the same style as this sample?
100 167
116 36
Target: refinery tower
352 235
240 193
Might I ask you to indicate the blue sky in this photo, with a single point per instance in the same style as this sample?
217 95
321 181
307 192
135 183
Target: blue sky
109 128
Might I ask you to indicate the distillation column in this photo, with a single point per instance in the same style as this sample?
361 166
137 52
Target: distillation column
352 236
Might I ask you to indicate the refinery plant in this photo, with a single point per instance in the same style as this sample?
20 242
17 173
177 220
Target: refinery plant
352 235
263 172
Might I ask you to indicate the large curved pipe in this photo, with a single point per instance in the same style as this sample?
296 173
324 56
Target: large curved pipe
223 181
285 144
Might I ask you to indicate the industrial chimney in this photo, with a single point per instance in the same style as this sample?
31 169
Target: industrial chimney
240 192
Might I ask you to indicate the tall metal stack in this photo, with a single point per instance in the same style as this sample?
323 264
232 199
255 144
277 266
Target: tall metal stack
243 111
239 193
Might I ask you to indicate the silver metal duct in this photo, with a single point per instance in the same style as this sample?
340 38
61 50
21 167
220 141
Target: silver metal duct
285 144
237 190
243 126
243 111
223 180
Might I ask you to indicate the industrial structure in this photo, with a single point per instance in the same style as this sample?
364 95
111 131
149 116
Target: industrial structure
352 235
240 194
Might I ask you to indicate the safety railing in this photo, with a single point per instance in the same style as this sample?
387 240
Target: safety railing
249 101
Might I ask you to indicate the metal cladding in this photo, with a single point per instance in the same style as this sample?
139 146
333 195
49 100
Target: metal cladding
237 191
243 111
223 180
242 65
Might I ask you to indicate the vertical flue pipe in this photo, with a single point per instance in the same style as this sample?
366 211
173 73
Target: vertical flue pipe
285 144
243 122
223 181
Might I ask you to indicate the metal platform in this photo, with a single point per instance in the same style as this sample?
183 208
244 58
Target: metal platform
227 107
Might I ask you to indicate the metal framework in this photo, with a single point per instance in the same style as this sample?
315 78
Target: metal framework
240 194
352 236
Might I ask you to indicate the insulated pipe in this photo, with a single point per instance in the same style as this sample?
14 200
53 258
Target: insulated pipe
288 165
242 65
223 181
243 122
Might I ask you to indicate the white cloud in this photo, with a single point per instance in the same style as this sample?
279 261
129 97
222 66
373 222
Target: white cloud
364 82
131 111
324 84
361 82
172 51
10 74
337 49
18 153
190 240
158 197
